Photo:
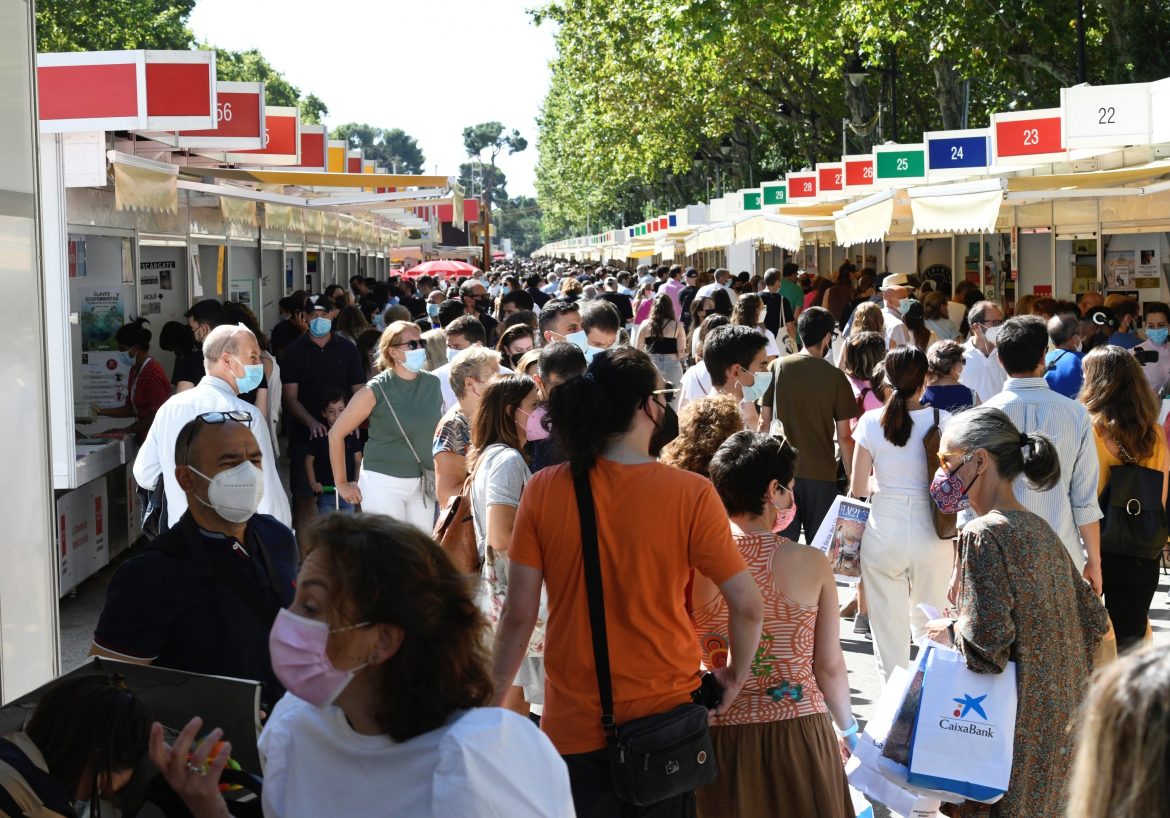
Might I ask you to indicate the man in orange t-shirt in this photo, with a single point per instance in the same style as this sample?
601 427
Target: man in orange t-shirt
655 524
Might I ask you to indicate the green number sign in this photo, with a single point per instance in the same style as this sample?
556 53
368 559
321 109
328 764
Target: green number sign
907 164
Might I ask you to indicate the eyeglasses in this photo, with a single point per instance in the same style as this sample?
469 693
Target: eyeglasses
411 344
214 418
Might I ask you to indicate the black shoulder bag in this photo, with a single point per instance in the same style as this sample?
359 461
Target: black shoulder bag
655 757
1134 524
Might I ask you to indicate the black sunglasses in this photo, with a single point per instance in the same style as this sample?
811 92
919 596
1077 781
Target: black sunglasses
215 418
411 344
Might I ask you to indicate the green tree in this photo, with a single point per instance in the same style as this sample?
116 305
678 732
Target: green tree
251 66
476 176
490 137
389 147
519 219
99 25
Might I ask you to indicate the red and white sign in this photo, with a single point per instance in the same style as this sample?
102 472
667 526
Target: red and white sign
859 172
313 141
282 135
126 90
1027 136
802 186
830 176
353 161
239 113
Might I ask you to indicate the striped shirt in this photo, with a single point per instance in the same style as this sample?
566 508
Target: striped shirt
1072 502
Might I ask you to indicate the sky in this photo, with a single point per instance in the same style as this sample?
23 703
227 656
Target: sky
430 68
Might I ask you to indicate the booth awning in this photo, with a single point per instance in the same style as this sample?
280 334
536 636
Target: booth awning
966 207
301 178
141 184
865 220
711 236
767 228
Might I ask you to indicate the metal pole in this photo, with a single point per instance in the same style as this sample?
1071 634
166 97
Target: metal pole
844 125
1082 68
487 226
894 94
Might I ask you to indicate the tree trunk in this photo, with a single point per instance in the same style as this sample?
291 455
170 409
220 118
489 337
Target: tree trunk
948 91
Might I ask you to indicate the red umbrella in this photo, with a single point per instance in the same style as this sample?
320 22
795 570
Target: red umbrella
445 267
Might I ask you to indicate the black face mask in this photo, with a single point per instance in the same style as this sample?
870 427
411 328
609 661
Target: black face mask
665 430
483 303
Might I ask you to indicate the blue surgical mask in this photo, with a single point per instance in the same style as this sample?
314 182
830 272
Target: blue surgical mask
452 354
904 305
320 327
253 374
579 340
416 359
433 310
758 387
1158 336
128 358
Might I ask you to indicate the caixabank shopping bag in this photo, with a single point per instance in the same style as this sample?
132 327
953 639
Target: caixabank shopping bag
962 740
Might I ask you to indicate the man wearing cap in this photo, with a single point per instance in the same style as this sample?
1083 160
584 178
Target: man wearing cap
316 364
896 295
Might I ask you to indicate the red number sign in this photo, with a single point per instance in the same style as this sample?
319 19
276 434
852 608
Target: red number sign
859 173
1028 137
803 186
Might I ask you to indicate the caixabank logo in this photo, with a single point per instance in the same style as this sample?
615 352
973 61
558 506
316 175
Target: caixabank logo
970 716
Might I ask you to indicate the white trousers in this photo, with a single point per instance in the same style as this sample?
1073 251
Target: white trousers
903 563
399 497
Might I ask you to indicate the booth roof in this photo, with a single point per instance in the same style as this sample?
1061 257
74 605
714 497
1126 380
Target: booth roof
301 178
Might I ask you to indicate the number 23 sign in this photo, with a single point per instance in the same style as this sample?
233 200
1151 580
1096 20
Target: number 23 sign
1028 134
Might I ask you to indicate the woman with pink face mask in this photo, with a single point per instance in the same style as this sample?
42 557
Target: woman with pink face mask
508 417
384 655
775 745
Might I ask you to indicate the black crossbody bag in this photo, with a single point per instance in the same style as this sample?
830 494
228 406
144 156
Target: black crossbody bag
655 757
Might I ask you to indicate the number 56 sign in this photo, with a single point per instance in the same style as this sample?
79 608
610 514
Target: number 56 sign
1099 116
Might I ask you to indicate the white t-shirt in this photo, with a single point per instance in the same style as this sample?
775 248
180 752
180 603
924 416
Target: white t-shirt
483 762
896 331
771 350
696 383
898 469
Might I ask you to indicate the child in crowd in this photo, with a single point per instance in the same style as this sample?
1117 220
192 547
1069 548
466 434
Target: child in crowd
317 464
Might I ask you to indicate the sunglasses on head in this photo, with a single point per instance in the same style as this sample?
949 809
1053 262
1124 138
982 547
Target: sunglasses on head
213 418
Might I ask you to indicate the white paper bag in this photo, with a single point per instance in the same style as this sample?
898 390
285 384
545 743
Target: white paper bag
862 769
968 716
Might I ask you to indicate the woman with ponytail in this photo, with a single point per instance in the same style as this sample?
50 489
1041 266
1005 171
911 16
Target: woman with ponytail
1020 598
655 524
903 562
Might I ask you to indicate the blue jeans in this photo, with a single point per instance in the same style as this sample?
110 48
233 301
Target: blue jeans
330 502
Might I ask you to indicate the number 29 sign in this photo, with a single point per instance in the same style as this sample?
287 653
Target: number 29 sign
1096 116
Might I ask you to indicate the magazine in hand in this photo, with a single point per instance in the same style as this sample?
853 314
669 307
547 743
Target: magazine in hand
839 537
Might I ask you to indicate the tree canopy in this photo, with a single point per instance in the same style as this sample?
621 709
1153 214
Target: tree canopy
490 137
652 101
389 147
251 66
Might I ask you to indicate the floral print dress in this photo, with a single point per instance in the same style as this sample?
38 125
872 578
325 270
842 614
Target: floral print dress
1021 599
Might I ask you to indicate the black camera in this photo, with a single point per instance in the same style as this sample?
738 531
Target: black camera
710 693
1145 356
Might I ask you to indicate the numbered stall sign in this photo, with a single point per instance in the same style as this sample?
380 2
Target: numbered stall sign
239 120
1160 101
752 200
313 141
775 193
1027 137
859 170
899 165
282 140
336 156
802 187
1106 116
952 154
831 176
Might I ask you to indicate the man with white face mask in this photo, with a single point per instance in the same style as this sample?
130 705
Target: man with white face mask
896 291
982 373
203 596
231 357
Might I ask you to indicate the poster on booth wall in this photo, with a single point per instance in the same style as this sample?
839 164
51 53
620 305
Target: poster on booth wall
243 291
1149 272
102 314
1120 269
155 280
104 379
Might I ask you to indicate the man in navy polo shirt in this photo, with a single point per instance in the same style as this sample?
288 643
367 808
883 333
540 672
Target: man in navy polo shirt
315 365
203 595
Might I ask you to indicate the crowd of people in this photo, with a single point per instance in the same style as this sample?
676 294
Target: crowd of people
636 463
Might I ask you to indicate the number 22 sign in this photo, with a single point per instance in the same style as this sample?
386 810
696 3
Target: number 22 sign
1106 115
